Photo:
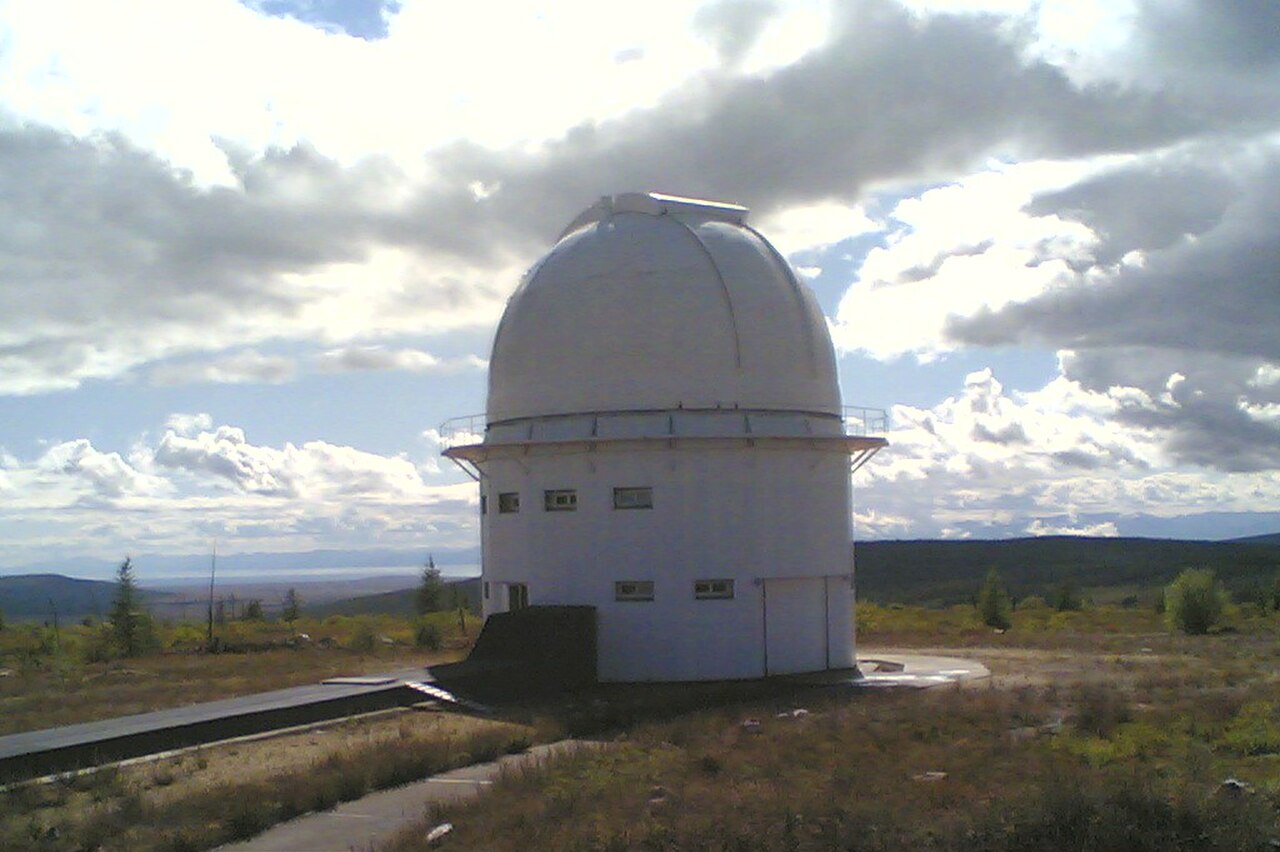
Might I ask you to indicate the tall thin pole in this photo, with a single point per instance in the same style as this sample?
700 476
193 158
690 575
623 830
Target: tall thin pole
213 567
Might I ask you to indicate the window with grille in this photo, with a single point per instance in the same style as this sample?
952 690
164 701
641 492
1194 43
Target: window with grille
633 497
633 590
709 590
560 500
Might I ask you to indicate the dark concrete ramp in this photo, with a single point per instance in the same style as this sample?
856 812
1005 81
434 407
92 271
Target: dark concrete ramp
530 651
36 753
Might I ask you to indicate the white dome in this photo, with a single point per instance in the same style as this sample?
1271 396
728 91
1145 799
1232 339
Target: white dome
651 302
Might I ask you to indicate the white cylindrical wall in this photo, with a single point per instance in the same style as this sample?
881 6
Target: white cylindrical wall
771 517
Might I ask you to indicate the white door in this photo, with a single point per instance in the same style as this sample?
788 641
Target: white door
795 624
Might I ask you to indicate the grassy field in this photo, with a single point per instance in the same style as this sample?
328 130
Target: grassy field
202 797
48 680
1098 730
212 795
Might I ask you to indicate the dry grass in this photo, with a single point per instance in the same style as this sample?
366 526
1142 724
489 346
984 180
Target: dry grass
1096 732
53 688
215 794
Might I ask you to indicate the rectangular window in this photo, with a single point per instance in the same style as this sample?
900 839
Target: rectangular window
711 590
517 596
562 500
633 590
633 498
509 502
484 504
486 590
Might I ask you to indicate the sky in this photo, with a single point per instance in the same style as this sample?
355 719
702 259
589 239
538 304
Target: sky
252 254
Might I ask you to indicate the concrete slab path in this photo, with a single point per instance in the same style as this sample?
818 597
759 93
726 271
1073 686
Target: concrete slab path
363 823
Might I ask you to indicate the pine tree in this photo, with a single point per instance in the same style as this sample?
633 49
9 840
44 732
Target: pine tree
291 606
125 618
430 590
993 603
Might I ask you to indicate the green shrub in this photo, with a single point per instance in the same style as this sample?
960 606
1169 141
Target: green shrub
363 639
427 635
1254 730
1194 602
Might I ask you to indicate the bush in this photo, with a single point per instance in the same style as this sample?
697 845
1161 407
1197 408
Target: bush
363 639
1194 602
427 636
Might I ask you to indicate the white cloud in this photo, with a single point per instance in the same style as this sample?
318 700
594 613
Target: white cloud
812 227
107 474
957 250
361 358
241 368
288 79
1106 529
189 424
987 462
196 483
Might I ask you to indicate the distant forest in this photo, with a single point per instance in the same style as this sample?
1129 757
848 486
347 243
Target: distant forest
941 573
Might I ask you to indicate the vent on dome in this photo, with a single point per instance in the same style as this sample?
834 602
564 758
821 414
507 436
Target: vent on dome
658 204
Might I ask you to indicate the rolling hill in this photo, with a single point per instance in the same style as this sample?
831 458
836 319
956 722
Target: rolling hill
34 597
399 602
946 572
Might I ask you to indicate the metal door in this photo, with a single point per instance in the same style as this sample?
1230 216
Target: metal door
795 625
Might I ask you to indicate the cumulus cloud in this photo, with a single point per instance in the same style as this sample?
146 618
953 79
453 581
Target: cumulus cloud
188 424
1064 463
362 358
114 259
109 475
1199 300
197 482
314 470
1105 529
957 250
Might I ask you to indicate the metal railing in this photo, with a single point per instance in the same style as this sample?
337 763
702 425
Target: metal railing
460 431
863 422
859 421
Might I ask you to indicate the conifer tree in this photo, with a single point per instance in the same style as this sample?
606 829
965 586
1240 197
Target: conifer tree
291 606
993 603
126 617
430 594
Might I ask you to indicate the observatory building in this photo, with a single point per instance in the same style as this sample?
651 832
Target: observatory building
665 441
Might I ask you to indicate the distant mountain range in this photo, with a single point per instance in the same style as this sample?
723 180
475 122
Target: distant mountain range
928 572
152 567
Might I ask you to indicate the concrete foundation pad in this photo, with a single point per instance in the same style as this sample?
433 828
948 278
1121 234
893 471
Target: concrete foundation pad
915 670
